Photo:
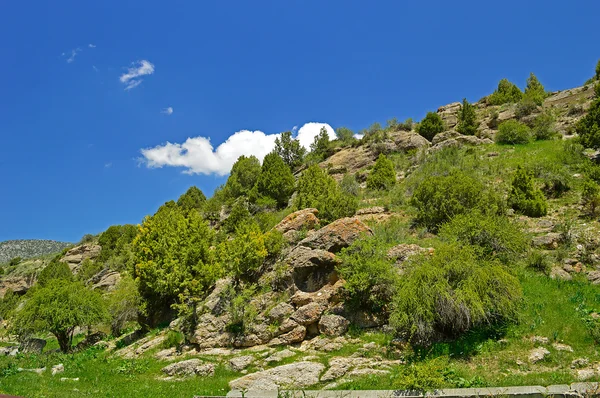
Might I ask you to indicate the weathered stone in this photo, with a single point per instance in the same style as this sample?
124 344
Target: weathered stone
286 326
215 302
9 351
540 340
549 241
580 363
211 331
594 277
237 364
280 355
189 367
17 284
338 367
585 374
305 219
560 273
56 369
337 235
312 268
333 325
296 335
403 251
538 354
38 371
295 375
108 281
77 255
409 141
32 346
308 314
280 312
166 355
562 347
444 136
323 344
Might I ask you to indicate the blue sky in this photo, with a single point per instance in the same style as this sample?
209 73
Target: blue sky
72 132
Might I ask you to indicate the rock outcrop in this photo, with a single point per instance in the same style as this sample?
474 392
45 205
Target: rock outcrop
77 255
295 375
337 235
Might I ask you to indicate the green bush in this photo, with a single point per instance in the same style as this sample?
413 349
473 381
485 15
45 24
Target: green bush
512 132
87 269
535 90
345 135
320 146
544 126
383 175
525 107
193 198
506 92
242 256
8 304
467 119
449 293
243 176
491 235
274 243
407 125
115 241
349 185
290 150
317 189
241 310
439 198
238 215
539 261
58 308
524 197
588 127
590 198
431 125
494 122
123 304
275 180
14 261
54 270
172 339
369 275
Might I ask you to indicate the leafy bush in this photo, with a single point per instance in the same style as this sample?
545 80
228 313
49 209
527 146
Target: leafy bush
276 180
491 235
369 275
506 92
243 255
54 270
238 215
406 125
535 90
58 308
117 238
172 339
494 122
320 145
8 304
431 125
590 198
538 261
317 189
243 176
467 119
193 198
451 292
290 150
383 175
588 127
439 198
349 185
345 135
544 126
172 257
123 304
241 310
524 197
87 269
512 132
274 243
14 261
525 107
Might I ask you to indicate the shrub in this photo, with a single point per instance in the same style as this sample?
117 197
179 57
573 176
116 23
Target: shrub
87 238
238 215
538 261
320 145
431 125
193 198
512 132
317 189
491 235
451 292
274 243
588 127
506 92
524 197
241 309
383 175
369 275
14 261
407 125
525 107
212 208
290 150
123 304
349 185
8 304
467 119
276 180
243 255
439 198
54 270
535 91
345 135
172 339
117 238
243 176
172 256
494 122
87 269
590 198
58 308
544 126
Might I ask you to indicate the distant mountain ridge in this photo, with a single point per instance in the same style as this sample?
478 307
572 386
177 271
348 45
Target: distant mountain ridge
27 248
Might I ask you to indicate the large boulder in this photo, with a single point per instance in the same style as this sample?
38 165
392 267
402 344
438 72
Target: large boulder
449 114
302 219
18 284
549 241
191 367
295 375
408 140
333 325
337 235
308 314
77 255
312 268
211 331
107 280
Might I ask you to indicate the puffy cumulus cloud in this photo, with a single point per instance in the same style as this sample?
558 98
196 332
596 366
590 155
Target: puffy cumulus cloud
308 132
198 156
131 78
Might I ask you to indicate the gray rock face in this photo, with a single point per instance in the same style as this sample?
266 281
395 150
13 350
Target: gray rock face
538 354
549 241
238 364
333 325
337 235
301 219
308 314
280 355
211 332
9 351
280 312
107 281
191 367
32 346
74 257
312 268
295 375
407 141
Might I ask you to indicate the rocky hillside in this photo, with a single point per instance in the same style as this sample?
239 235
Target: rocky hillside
28 248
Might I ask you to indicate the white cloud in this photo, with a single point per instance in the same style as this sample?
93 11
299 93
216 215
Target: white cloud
167 111
131 79
198 156
91 45
308 132
73 55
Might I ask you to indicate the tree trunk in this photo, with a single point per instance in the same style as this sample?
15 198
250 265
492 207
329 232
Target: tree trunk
65 340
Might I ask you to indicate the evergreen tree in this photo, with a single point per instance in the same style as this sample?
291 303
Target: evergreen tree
588 127
524 197
535 90
431 125
193 198
243 176
276 180
55 270
320 145
506 92
467 119
239 215
290 150
344 134
598 71
383 175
